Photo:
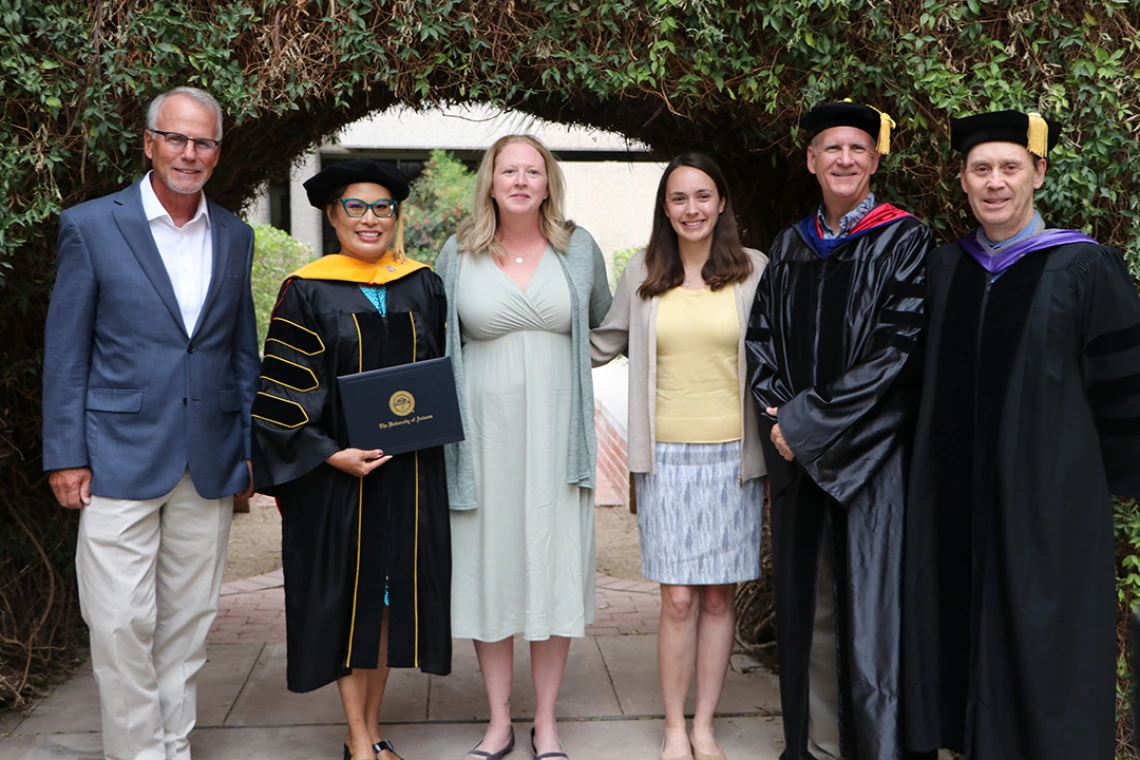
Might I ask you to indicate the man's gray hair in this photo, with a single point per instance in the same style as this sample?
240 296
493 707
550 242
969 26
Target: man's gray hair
201 97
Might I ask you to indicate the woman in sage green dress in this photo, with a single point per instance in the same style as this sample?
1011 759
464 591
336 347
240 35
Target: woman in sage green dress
523 288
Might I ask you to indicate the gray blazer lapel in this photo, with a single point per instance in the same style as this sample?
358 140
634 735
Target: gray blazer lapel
131 219
219 245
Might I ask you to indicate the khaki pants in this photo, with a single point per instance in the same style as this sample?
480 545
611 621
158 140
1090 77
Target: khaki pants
823 669
149 575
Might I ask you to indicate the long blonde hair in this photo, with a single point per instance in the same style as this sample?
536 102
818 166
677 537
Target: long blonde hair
477 232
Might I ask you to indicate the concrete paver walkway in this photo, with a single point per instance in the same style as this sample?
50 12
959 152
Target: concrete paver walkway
609 707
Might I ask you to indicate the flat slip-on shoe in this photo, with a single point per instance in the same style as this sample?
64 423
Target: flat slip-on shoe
495 755
703 756
534 750
718 755
687 756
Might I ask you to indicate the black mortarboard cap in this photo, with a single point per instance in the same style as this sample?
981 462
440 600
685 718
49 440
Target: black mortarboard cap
1037 133
320 185
847 114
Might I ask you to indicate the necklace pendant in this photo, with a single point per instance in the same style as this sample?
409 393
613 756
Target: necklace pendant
518 259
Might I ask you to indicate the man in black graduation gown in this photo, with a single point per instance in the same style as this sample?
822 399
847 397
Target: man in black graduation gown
1030 419
837 314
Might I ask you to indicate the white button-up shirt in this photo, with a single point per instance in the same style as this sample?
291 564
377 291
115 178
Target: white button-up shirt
187 252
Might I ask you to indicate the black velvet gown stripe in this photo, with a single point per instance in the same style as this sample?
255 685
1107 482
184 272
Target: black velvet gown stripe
1009 588
829 343
955 419
345 539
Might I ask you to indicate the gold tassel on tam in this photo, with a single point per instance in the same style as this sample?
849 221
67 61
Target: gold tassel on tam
886 124
1038 135
398 242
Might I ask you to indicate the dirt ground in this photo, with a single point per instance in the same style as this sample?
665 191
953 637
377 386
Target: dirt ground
255 542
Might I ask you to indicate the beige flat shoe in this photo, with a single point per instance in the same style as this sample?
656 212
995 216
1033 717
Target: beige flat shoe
703 756
718 755
687 756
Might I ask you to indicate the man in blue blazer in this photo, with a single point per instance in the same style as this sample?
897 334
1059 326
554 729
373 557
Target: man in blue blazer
150 366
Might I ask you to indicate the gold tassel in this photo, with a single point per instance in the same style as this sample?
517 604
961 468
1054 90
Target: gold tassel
398 241
1038 135
886 123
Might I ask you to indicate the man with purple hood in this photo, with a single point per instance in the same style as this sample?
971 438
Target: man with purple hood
1029 421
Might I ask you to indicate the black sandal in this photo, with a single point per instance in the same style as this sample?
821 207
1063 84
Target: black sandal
384 744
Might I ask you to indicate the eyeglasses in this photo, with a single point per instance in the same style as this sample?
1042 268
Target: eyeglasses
177 141
382 209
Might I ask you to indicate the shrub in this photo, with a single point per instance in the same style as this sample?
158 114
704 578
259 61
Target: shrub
620 259
276 255
439 201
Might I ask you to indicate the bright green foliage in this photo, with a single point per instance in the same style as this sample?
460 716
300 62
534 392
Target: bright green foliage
620 259
1128 593
276 255
725 75
439 201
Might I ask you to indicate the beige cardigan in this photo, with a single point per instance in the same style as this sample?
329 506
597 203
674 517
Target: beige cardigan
630 328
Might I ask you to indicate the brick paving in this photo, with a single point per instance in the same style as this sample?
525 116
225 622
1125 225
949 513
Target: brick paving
253 609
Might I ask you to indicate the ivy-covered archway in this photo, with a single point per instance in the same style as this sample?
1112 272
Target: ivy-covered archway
726 76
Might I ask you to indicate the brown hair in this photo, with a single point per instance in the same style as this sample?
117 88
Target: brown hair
727 263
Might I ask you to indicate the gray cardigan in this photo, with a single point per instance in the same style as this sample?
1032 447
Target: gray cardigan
630 329
585 270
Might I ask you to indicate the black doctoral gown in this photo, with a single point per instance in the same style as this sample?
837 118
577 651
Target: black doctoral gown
345 538
1030 418
828 344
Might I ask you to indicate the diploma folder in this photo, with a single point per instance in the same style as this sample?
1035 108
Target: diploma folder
403 408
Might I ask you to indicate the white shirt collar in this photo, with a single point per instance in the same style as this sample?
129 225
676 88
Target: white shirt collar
154 209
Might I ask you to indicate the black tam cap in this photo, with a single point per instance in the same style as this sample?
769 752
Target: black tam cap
846 114
338 175
1033 131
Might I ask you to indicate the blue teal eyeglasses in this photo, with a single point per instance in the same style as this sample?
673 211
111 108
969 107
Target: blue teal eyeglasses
382 209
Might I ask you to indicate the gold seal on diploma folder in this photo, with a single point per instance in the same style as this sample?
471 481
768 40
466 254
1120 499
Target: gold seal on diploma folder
402 403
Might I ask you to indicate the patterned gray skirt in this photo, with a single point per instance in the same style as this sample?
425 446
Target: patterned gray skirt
698 525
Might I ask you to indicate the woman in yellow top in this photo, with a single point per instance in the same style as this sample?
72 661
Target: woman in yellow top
679 314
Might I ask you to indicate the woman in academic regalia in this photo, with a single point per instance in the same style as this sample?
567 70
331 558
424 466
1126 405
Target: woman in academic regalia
365 537
680 315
